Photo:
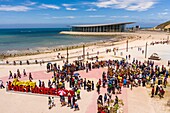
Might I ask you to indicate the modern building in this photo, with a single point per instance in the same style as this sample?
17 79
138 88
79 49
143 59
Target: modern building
114 27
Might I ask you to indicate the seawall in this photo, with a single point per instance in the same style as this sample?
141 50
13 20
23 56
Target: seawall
96 33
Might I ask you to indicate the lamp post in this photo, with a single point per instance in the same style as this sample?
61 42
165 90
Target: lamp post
83 52
167 39
67 60
146 47
67 55
127 46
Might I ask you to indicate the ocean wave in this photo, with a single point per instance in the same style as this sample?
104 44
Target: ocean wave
12 51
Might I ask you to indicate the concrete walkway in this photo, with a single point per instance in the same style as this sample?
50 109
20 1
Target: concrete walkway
139 101
135 101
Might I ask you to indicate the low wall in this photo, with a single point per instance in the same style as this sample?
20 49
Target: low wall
96 33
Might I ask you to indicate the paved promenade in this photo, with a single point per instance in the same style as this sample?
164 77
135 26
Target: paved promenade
135 101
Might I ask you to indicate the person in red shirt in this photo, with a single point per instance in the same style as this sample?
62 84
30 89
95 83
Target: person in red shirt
161 92
73 82
153 91
69 100
103 111
100 82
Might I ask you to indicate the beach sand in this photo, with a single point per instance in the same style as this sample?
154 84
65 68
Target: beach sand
138 98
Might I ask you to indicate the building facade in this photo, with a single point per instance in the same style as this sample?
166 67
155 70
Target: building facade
117 27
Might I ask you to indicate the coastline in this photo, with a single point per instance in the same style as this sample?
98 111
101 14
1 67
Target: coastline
45 50
139 39
39 72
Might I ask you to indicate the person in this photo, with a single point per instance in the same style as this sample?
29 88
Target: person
84 83
116 100
100 82
28 62
76 106
157 90
98 88
53 104
10 75
104 82
62 99
124 82
153 91
39 83
20 62
43 84
143 82
36 61
69 100
142 51
15 76
168 62
18 73
131 85
87 69
165 82
161 92
129 56
49 84
1 84
100 100
14 63
48 68
92 85
70 81
73 101
30 77
49 103
78 94
7 85
152 82
24 72
7 62
105 98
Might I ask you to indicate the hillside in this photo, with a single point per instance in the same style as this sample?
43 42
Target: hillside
163 25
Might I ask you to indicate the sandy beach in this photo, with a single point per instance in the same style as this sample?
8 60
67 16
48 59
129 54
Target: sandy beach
138 98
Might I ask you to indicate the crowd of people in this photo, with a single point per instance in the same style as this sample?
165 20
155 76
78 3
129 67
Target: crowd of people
18 75
120 74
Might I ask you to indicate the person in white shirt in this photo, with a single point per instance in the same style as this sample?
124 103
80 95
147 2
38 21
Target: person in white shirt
53 104
152 82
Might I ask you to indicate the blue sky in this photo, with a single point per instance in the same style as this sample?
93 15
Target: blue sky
62 13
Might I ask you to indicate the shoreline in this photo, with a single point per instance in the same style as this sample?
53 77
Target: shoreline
46 50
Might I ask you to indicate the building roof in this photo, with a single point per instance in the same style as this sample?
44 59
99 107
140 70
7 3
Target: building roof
93 25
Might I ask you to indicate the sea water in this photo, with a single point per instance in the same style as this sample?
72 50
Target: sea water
32 38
